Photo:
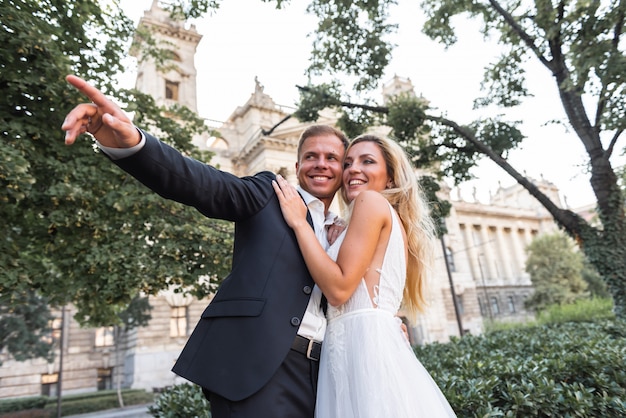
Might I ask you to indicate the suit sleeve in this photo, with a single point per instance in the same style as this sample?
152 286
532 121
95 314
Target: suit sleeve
215 193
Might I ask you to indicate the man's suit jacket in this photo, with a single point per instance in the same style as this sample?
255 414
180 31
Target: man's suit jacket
247 330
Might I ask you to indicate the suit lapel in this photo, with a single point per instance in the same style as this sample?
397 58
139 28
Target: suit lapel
309 218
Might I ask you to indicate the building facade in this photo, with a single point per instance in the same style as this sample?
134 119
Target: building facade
480 264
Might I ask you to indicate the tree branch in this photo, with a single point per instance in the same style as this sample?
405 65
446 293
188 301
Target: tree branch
525 37
569 220
283 120
609 150
600 108
617 33
376 109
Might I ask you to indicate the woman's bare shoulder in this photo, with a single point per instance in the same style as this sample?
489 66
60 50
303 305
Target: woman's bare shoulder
372 202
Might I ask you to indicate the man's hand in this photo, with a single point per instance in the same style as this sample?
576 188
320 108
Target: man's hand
102 118
334 230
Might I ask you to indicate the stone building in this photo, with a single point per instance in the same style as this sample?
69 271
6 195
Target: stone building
484 248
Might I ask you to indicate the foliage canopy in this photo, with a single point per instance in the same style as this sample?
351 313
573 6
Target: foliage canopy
556 271
580 44
75 228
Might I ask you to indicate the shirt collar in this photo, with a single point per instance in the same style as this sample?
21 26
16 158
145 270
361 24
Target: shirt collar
309 198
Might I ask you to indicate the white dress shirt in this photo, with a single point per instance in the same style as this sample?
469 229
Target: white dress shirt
119 153
313 323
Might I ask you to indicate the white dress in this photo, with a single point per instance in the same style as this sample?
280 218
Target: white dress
367 368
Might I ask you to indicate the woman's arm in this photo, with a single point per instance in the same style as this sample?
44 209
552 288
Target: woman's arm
339 280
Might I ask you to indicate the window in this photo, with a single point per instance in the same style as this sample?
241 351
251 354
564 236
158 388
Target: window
55 325
483 310
104 337
495 309
459 304
105 381
49 384
54 336
171 90
511 303
450 259
173 56
178 321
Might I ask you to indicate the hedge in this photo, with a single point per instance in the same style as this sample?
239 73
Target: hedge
42 406
556 370
574 369
99 401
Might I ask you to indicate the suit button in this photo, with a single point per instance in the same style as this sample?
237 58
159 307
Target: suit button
307 290
295 321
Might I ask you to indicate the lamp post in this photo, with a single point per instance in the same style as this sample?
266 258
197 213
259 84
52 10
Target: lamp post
452 291
482 278
62 348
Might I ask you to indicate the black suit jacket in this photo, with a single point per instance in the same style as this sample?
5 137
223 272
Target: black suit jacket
247 330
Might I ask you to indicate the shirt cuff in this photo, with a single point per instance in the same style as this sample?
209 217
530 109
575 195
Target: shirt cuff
119 153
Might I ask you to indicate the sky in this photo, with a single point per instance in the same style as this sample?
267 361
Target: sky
245 39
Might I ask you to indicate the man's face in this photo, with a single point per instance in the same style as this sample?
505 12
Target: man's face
319 168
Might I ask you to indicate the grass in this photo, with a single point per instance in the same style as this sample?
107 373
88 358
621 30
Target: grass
582 310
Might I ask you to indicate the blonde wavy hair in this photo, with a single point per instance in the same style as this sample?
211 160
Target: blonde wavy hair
407 198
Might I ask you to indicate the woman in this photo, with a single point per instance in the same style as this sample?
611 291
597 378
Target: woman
367 368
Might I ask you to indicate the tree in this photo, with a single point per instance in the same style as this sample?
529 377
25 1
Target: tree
136 315
578 43
24 322
75 228
595 284
556 271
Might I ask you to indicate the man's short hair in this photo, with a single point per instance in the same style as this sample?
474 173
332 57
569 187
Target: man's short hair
317 130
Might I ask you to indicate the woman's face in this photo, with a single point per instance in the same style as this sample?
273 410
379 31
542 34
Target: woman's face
364 168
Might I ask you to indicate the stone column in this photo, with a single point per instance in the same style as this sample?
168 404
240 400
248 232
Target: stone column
472 255
505 254
518 249
487 249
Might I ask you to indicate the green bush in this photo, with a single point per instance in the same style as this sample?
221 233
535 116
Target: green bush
582 310
29 413
19 404
572 369
558 370
99 401
181 401
496 326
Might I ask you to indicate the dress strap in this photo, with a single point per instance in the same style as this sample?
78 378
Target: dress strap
376 289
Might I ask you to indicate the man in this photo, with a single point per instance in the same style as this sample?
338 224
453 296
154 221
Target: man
255 350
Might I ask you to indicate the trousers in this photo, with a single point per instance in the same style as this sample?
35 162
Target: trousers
290 393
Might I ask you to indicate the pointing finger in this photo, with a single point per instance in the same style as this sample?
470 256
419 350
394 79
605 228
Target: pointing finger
95 95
